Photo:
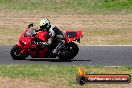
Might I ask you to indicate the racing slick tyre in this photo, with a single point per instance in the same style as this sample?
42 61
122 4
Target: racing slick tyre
15 53
68 52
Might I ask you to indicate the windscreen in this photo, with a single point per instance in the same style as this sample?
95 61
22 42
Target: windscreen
30 33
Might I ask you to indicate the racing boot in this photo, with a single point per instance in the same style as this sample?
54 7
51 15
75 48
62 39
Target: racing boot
58 48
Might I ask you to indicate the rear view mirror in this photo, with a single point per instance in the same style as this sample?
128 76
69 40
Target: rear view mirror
30 25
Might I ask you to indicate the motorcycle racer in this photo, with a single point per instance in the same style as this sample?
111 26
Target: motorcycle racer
54 32
35 42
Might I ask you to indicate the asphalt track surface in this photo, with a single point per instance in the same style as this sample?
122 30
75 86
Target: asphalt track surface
88 55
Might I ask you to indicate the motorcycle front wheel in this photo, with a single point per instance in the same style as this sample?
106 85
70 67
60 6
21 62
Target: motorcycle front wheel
15 53
69 52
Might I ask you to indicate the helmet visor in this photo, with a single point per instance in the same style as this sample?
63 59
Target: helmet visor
43 26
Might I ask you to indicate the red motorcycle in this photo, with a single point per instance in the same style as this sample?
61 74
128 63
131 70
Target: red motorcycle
28 45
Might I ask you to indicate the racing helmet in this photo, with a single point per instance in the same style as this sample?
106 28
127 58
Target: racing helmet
44 24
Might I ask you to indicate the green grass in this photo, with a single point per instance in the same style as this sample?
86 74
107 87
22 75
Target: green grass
36 70
62 75
70 6
58 70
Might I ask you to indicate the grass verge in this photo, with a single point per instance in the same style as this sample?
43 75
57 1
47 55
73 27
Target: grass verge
59 75
76 6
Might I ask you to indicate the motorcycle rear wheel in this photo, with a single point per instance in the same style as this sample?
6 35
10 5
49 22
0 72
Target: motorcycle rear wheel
15 53
69 52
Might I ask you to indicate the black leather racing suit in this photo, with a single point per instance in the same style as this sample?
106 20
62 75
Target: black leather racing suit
54 32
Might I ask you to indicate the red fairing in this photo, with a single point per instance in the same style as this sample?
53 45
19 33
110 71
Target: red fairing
74 35
43 36
25 43
24 39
